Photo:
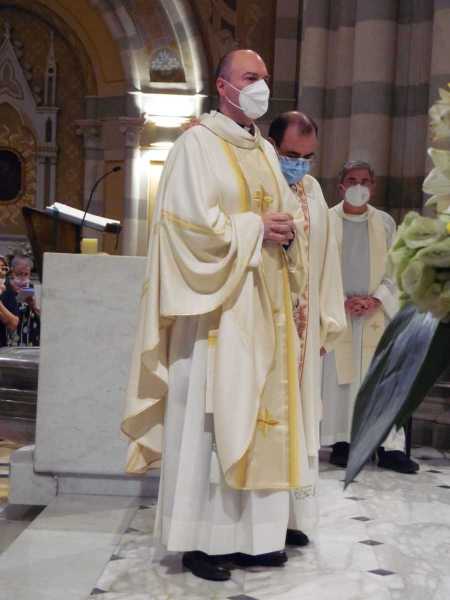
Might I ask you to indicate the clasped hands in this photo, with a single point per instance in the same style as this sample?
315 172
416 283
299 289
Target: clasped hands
278 227
361 306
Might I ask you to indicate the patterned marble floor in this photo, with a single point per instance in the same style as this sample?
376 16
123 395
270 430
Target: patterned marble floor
387 537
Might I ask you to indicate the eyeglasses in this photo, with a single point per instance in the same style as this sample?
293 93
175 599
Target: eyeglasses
310 158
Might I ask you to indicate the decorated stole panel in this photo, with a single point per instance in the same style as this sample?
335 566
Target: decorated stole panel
272 458
301 308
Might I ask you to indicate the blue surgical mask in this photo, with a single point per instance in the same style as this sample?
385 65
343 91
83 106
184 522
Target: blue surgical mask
294 169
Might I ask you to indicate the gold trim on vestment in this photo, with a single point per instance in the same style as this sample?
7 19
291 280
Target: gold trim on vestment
172 218
272 171
293 384
241 467
265 420
244 191
212 338
301 311
241 474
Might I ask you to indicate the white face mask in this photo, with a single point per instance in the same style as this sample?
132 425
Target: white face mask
357 195
253 99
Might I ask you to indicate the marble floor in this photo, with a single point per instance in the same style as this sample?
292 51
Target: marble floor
387 537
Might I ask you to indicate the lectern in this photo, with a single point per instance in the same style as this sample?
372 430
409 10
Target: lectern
57 232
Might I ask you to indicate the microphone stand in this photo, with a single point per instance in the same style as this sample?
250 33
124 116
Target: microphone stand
94 187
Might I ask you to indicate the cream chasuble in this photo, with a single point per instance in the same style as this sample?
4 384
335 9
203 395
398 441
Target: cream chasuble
216 353
320 312
363 242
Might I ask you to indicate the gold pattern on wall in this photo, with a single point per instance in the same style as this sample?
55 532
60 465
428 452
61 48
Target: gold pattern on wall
25 10
75 80
15 136
228 24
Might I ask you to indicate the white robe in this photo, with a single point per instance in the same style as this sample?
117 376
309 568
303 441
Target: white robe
204 292
324 297
339 400
194 512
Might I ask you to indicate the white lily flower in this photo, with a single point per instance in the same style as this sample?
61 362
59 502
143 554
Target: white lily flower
440 116
441 160
442 203
445 95
436 183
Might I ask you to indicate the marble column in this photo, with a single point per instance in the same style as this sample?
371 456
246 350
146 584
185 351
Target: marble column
134 226
52 180
40 183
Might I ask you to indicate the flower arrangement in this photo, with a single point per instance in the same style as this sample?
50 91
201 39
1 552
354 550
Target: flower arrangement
420 255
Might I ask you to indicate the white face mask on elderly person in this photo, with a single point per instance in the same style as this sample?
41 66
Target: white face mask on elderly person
357 195
253 99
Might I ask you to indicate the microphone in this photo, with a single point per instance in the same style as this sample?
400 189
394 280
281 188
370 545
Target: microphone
94 187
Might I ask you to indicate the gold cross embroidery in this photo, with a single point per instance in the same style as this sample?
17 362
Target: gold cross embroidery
262 200
265 420
375 326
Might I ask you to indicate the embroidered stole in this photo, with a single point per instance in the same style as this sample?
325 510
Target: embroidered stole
301 308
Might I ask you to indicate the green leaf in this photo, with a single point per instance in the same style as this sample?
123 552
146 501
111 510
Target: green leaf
413 352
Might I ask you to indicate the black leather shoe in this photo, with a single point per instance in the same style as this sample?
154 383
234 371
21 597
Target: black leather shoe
396 460
271 559
204 566
339 455
295 537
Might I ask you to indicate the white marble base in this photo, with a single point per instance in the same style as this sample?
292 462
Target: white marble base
89 317
26 486
30 488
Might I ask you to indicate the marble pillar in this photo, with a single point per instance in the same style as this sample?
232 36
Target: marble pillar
134 226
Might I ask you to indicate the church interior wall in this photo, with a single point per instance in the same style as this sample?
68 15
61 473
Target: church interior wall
131 73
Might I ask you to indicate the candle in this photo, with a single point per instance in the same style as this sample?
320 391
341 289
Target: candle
89 246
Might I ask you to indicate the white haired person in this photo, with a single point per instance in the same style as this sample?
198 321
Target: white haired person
364 235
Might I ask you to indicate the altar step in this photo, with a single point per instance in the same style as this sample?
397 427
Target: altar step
31 487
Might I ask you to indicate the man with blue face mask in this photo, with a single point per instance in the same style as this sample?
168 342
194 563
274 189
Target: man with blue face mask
319 312
364 235
216 354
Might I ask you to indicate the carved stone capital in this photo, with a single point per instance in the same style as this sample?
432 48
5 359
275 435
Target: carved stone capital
91 130
132 127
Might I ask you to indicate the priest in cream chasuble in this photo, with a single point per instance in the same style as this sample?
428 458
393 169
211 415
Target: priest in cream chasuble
214 385
319 313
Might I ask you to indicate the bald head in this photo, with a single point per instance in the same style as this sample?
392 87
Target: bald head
225 66
237 70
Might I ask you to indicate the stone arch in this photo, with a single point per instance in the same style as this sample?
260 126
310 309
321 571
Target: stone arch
128 25
126 109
